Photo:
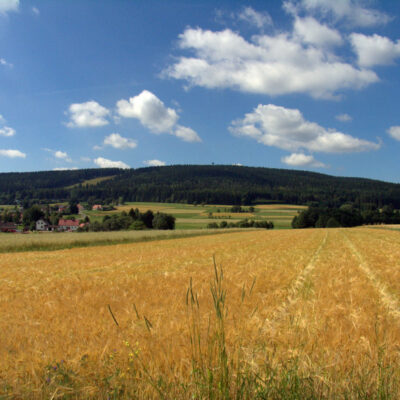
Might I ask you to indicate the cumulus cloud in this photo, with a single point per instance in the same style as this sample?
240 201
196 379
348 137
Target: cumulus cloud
154 115
302 160
61 155
352 12
89 114
154 163
287 129
273 65
344 117
150 111
12 154
375 49
8 5
104 163
186 134
118 142
309 30
35 10
7 131
394 132
255 18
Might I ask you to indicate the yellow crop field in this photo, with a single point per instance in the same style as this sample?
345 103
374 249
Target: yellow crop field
289 314
281 207
232 215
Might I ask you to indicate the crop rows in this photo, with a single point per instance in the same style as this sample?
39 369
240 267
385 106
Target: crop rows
316 307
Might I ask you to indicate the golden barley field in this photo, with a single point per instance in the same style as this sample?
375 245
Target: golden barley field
284 315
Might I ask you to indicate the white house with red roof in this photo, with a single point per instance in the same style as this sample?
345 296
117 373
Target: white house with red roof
68 225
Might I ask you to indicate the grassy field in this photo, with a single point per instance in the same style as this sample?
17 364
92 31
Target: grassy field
293 314
91 182
189 216
48 241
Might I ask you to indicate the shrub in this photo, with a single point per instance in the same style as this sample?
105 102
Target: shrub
332 223
223 224
163 221
137 226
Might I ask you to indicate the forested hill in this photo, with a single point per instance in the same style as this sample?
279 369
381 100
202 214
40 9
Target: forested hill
218 184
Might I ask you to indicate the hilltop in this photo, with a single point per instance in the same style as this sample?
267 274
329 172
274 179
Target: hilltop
212 184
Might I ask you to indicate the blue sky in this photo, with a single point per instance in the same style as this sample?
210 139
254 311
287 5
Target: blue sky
304 84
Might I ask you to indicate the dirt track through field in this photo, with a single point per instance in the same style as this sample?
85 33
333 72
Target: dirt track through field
389 300
295 287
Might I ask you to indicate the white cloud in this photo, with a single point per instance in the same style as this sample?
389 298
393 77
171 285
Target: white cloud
186 134
12 154
35 10
351 11
287 129
302 160
272 65
7 131
89 114
150 111
85 159
61 155
65 169
374 50
5 62
8 5
118 142
394 132
104 163
154 163
154 115
311 31
344 117
258 19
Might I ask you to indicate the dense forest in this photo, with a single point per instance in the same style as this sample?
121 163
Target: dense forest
212 184
345 216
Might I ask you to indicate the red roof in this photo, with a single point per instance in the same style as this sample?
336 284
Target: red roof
68 222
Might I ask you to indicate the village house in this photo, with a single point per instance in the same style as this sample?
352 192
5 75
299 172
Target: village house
8 227
42 225
80 208
62 209
97 207
68 225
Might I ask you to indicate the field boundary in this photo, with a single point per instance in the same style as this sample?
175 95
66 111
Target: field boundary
387 299
295 287
111 242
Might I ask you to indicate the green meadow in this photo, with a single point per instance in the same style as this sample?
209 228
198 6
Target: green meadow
189 216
